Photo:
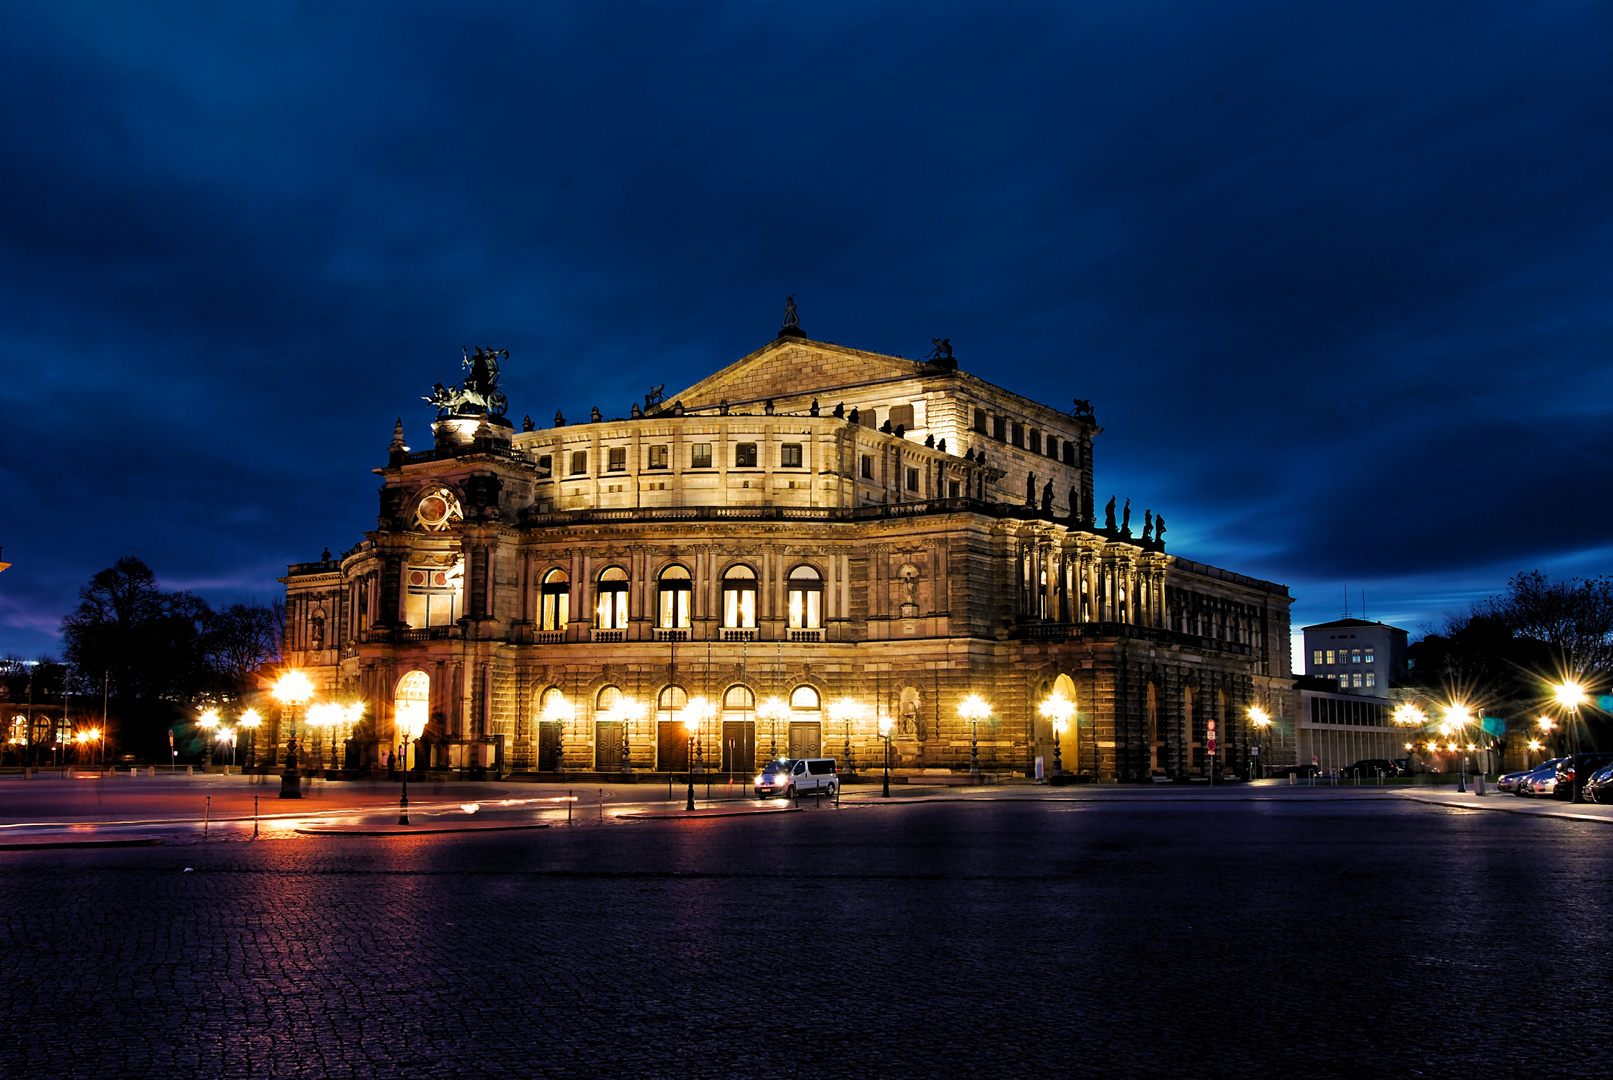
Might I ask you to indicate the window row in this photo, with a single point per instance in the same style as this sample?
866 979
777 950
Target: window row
658 457
674 599
1322 657
1014 433
610 700
1346 681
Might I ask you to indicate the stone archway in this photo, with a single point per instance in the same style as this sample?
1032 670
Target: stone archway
411 708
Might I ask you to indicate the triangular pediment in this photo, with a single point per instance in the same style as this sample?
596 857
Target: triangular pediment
795 367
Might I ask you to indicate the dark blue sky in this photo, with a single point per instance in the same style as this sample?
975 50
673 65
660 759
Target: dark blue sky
1334 275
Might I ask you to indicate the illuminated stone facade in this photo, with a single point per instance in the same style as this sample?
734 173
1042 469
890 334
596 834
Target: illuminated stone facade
814 524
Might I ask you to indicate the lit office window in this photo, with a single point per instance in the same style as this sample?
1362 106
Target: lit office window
739 597
1369 656
1355 657
1316 657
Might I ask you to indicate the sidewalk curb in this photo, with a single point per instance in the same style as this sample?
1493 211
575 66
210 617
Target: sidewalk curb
410 830
1519 810
138 841
697 815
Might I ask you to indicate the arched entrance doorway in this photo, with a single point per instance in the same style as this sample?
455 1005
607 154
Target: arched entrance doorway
806 723
411 709
1069 742
738 730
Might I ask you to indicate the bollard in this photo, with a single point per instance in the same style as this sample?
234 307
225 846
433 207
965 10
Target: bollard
601 804
151 771
1478 784
254 817
1293 778
571 797
27 773
207 815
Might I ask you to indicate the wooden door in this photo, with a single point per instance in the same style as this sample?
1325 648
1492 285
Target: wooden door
608 746
806 739
549 746
671 746
738 746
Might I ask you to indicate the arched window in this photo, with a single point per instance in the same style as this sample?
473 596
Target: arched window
804 699
738 699
608 698
739 597
806 599
676 591
611 613
554 601
671 699
553 706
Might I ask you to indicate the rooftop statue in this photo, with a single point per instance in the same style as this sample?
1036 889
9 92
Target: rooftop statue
1148 526
792 321
1125 520
1083 407
655 396
478 393
1159 530
1109 515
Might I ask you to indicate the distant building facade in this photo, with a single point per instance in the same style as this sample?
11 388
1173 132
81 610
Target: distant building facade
1360 657
813 539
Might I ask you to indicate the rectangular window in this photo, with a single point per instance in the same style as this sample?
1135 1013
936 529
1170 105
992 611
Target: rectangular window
700 455
545 467
1069 453
868 467
1372 679
1355 657
1053 447
952 489
658 457
617 460
1369 656
1316 657
999 428
1358 679
980 421
745 455
868 418
902 415
1344 682
1329 656
912 479
579 463
1035 444
790 456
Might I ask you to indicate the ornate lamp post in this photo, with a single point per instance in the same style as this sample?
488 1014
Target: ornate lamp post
1571 695
846 710
1260 719
559 711
411 724
291 690
208 722
1058 709
974 709
885 733
251 721
773 710
1457 718
691 725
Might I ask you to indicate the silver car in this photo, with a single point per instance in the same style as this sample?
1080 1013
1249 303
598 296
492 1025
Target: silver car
1541 780
1511 780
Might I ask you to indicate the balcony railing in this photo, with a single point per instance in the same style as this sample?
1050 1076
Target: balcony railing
609 635
548 637
742 633
805 635
671 634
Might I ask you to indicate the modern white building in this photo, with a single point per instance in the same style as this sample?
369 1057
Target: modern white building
1360 657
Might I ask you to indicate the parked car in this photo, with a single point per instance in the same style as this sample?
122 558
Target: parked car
1583 764
1510 781
1370 768
797 776
1541 779
1599 788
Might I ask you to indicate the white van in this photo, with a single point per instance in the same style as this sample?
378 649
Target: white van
798 776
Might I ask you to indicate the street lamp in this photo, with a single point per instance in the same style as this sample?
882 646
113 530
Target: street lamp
974 709
559 711
773 710
325 717
885 733
291 690
251 721
1571 695
1261 720
1457 718
1058 709
693 713
208 721
411 724
846 710
625 712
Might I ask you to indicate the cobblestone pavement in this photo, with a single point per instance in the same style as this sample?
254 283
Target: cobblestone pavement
1323 936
